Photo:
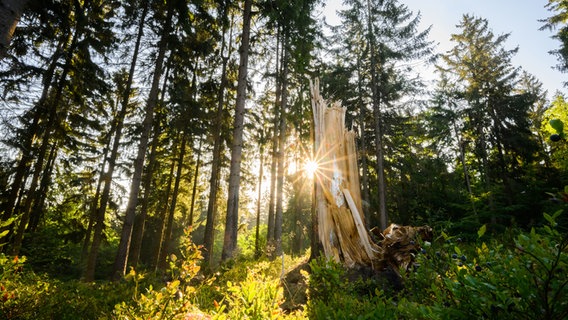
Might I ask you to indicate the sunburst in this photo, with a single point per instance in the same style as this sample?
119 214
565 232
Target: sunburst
311 167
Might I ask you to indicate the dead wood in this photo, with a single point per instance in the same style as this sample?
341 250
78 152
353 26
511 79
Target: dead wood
341 222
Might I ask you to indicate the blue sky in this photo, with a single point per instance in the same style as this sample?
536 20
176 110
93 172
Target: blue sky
517 17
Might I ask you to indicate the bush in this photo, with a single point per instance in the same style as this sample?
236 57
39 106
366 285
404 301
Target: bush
523 279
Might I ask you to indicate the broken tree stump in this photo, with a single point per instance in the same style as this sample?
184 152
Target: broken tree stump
341 223
341 226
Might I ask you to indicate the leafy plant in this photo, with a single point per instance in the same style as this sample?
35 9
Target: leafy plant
175 299
523 279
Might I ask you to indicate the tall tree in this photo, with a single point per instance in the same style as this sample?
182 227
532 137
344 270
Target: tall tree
225 54
100 203
126 234
380 38
232 217
495 115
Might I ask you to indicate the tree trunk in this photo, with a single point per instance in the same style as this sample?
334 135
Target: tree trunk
195 181
281 155
376 97
52 105
257 251
339 208
124 246
167 243
99 217
162 217
43 190
274 160
209 236
140 219
232 218
363 146
95 201
10 13
39 112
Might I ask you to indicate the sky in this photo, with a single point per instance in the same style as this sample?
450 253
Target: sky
517 17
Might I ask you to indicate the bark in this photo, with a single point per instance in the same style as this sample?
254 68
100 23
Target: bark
274 161
194 188
257 251
10 13
197 162
43 190
95 201
140 220
167 243
33 195
162 216
376 97
281 158
363 147
40 111
232 217
121 260
209 236
99 217
315 243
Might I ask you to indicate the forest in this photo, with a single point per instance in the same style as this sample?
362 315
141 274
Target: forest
157 161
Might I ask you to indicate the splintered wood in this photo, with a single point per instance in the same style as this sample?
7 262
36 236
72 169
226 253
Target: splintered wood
341 225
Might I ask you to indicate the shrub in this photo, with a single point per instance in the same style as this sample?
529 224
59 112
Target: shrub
523 279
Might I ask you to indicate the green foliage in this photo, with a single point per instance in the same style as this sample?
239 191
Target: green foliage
175 299
26 295
519 275
522 279
518 278
258 297
334 294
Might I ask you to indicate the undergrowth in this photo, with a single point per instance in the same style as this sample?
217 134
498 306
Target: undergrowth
517 276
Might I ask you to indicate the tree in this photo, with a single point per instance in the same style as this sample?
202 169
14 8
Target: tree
225 54
559 20
66 100
232 216
100 203
495 116
10 13
126 234
376 41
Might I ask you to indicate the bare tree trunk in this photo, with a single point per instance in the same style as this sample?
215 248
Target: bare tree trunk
363 147
95 202
383 218
274 160
163 218
40 110
10 13
194 189
124 246
166 244
52 105
209 236
232 218
257 251
140 219
43 190
281 156
315 243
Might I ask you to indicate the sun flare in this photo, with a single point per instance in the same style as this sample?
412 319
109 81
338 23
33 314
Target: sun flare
310 167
